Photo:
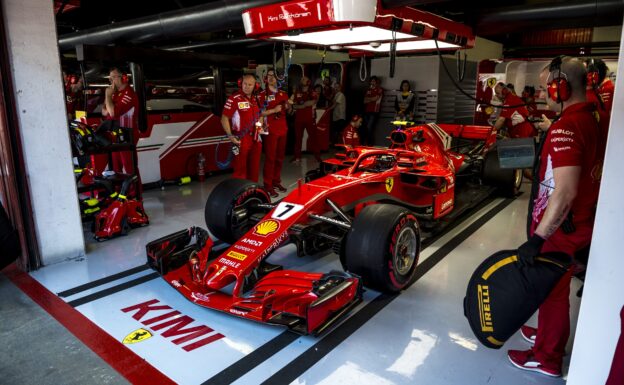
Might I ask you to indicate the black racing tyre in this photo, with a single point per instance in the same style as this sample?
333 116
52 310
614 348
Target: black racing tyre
508 181
230 206
383 246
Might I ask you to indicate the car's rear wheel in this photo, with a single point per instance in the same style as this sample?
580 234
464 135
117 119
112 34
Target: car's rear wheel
508 181
231 205
383 246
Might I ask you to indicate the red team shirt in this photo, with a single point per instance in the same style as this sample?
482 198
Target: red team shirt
302 97
374 106
244 112
350 136
516 118
606 90
126 107
269 100
574 140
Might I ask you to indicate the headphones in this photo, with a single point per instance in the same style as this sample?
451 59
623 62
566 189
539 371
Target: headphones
593 76
240 84
559 88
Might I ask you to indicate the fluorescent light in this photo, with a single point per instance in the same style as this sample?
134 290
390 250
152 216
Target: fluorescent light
404 46
344 36
206 78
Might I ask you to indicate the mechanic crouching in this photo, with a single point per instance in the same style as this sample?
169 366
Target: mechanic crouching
514 115
243 110
562 216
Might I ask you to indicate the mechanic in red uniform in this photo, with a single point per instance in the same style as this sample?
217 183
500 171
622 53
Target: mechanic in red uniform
563 213
121 104
601 86
275 103
350 135
241 114
514 119
303 101
73 94
372 105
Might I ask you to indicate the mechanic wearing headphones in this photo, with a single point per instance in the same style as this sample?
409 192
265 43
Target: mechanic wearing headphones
563 216
276 106
243 110
303 102
121 104
602 86
514 119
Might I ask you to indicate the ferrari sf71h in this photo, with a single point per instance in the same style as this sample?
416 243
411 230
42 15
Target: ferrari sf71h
368 204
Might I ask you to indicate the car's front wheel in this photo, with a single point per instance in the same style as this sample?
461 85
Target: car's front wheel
231 205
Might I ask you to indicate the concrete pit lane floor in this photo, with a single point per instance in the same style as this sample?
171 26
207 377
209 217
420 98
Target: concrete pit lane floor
84 308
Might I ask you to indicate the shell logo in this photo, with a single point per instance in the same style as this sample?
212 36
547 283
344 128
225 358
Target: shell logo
266 227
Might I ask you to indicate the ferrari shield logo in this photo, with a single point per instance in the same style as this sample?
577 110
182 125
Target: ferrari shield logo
491 82
137 336
389 184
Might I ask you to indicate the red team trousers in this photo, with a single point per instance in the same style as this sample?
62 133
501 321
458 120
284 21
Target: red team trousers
274 150
304 120
246 163
553 322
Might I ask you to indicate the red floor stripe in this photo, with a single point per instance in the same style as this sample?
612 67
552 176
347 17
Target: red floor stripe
134 368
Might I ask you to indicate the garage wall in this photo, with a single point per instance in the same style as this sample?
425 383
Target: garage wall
598 326
37 80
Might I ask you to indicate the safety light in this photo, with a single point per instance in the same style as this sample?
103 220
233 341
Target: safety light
360 25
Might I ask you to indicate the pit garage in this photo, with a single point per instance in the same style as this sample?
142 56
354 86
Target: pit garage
134 252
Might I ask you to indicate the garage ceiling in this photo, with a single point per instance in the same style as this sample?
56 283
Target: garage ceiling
491 19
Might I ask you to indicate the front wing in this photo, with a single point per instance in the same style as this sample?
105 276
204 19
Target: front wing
307 303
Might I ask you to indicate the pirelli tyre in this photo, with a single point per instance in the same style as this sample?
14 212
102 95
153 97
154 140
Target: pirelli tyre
383 247
508 181
230 207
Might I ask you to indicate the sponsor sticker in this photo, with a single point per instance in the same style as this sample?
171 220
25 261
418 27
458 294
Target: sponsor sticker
252 242
266 227
238 312
244 248
243 105
227 262
137 336
446 204
235 255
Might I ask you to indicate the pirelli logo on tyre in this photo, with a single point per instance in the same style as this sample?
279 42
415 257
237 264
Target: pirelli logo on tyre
485 315
235 255
267 227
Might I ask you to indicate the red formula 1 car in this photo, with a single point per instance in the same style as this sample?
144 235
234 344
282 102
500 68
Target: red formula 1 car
365 204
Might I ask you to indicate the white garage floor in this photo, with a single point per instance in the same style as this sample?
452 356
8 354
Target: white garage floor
419 336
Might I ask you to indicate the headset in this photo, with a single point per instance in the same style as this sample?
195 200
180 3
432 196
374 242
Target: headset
239 82
593 74
559 88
